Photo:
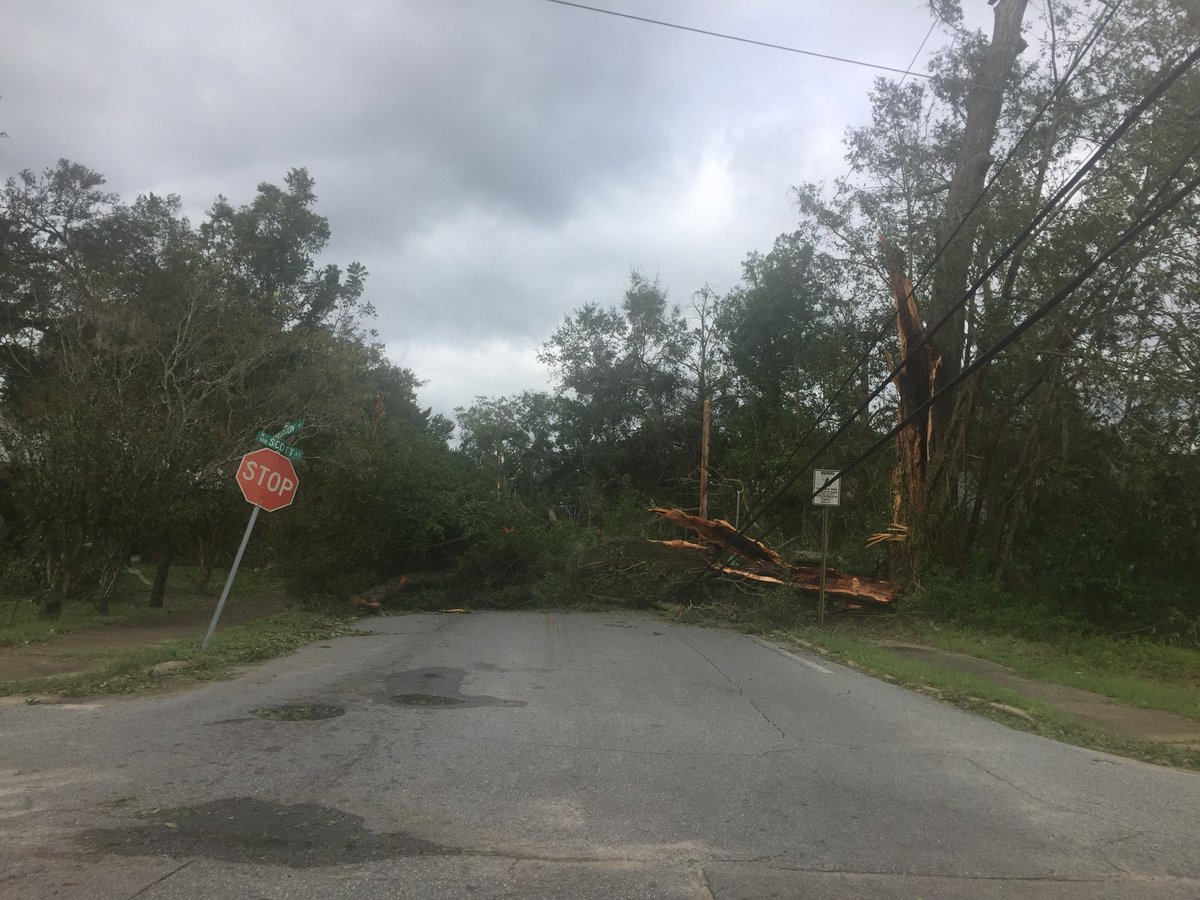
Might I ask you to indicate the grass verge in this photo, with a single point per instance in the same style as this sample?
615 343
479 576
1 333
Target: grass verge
1133 672
982 696
176 663
1156 676
21 624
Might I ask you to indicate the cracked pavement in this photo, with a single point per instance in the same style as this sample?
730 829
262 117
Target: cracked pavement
553 755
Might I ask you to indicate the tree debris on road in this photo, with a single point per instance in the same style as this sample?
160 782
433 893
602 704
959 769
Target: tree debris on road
764 565
374 598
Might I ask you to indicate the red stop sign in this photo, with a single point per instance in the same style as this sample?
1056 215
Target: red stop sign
267 479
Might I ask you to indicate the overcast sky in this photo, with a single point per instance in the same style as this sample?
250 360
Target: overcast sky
494 163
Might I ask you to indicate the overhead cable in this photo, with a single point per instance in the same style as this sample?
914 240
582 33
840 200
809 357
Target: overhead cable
1131 233
740 40
1060 196
1089 40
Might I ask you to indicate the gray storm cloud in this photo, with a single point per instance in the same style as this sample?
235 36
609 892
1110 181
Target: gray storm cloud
494 163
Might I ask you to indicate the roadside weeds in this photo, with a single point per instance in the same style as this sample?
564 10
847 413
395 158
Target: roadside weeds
180 662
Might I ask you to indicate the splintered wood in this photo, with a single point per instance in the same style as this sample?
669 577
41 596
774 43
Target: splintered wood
764 565
717 534
916 383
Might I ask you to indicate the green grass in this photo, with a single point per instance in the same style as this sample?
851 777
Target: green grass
1137 673
21 624
977 694
128 670
1134 672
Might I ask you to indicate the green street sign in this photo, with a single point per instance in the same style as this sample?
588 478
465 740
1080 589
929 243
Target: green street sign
289 429
270 440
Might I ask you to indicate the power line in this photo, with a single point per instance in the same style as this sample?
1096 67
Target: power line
1132 232
866 355
740 40
1088 42
912 62
1064 192
904 73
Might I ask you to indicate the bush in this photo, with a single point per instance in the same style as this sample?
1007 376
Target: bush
510 550
982 603
20 572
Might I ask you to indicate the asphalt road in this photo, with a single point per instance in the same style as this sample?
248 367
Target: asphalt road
570 755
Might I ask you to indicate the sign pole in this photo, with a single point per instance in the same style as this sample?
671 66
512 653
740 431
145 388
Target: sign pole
268 481
237 561
824 554
827 492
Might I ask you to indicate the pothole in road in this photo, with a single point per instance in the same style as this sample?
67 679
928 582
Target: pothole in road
246 829
438 687
298 712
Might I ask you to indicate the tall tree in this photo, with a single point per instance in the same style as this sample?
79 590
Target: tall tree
957 227
916 170
622 376
141 356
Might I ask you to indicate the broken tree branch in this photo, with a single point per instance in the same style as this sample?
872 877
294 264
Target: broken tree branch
765 566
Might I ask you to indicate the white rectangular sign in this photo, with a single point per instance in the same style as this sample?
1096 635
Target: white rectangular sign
826 495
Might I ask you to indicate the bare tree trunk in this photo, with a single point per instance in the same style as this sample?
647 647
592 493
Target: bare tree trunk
971 165
158 590
58 582
204 567
1020 500
61 561
115 561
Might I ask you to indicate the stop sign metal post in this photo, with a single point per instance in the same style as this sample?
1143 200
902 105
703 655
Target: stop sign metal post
267 481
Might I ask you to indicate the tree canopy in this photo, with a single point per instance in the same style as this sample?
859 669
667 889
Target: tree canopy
140 353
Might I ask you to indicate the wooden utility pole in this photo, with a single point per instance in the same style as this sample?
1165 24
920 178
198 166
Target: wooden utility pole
704 415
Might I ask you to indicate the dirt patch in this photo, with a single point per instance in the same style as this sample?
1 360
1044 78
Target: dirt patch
1086 706
245 829
85 650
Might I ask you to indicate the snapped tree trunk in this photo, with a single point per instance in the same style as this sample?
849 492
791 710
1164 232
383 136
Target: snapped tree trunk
380 594
915 382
